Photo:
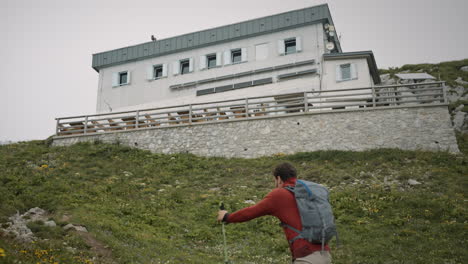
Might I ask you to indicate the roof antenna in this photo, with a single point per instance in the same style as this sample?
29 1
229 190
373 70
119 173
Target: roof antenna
153 38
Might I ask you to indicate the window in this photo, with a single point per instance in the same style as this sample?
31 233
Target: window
184 66
290 46
158 71
120 78
346 72
236 56
155 72
181 67
211 61
123 78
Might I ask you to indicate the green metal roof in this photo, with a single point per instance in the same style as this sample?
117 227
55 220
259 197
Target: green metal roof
368 54
246 29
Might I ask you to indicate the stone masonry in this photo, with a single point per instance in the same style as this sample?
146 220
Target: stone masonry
415 128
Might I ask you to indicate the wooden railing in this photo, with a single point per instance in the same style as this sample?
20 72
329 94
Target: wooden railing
256 107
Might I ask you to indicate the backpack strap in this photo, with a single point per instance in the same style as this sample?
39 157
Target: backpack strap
293 229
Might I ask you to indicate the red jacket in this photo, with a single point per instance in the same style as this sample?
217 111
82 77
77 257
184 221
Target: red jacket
281 204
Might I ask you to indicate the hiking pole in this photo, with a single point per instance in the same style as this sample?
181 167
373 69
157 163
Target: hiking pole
226 261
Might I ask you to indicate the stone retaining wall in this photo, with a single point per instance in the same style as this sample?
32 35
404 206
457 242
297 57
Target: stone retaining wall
418 128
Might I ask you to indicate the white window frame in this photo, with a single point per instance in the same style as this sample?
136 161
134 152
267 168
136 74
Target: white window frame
282 45
353 74
232 55
190 66
286 41
208 60
229 56
151 72
116 77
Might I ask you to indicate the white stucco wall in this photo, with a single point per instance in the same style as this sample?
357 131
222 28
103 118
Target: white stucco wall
141 93
364 78
329 82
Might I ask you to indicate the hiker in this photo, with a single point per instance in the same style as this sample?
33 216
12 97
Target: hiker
281 203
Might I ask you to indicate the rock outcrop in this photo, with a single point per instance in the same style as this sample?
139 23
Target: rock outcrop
457 94
17 226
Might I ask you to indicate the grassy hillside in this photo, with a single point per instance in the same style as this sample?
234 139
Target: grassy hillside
141 207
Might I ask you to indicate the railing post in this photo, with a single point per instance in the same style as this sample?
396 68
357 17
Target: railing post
306 104
373 96
190 114
137 121
246 107
85 125
57 131
444 91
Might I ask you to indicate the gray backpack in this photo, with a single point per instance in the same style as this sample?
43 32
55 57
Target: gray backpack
318 223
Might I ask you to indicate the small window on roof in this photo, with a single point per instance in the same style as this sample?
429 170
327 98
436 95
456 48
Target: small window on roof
211 60
158 71
123 78
290 46
345 71
184 66
236 55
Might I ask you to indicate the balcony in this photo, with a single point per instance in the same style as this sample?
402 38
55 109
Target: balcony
272 106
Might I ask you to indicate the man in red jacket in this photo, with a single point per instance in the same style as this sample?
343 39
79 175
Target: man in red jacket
282 204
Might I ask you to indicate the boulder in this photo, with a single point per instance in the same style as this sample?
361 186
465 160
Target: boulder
385 77
459 80
459 120
35 214
459 108
75 227
464 68
50 223
413 182
386 80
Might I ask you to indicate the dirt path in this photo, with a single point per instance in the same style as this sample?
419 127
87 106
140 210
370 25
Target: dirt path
103 253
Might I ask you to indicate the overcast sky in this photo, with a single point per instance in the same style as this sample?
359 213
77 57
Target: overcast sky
46 46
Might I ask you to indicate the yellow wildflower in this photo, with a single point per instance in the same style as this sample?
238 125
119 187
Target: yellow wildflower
2 252
44 166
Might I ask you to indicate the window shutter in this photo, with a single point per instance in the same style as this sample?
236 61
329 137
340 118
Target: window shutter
190 65
338 73
150 73
354 71
175 67
227 57
218 58
115 79
244 54
128 77
202 62
281 47
298 44
164 70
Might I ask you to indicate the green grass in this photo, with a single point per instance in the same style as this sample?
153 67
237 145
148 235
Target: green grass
153 208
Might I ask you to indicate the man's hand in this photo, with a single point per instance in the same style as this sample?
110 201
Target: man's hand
221 214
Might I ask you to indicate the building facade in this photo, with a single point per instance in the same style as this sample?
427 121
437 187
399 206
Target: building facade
279 54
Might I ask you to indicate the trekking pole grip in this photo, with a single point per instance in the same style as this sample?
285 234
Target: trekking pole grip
221 206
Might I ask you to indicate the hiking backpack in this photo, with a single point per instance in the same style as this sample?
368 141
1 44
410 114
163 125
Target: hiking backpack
318 222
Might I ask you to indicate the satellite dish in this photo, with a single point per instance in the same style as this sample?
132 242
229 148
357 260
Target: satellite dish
331 28
326 26
330 46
